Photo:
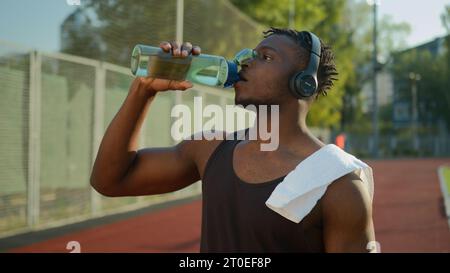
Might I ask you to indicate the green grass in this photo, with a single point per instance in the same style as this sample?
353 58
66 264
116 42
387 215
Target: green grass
446 175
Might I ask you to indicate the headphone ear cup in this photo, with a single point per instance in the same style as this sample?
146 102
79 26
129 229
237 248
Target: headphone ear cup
302 85
295 85
308 85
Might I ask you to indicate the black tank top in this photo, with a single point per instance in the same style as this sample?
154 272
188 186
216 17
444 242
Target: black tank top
235 217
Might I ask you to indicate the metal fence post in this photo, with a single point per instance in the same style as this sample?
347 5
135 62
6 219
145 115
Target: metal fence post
179 38
98 123
34 141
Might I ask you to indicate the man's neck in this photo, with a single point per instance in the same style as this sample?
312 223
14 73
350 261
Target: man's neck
292 128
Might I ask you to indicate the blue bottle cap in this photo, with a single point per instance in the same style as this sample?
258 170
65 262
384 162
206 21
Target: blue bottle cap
233 75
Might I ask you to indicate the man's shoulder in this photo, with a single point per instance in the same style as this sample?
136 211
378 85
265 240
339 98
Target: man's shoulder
347 197
349 186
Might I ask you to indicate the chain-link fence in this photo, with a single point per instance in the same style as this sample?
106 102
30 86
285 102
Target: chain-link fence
54 111
15 139
55 107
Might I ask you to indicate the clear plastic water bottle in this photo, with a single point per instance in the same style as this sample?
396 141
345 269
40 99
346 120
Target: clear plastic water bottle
149 61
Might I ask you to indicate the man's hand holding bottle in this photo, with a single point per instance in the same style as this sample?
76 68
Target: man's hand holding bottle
148 86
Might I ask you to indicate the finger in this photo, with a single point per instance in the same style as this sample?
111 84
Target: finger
165 46
175 49
186 84
186 49
196 50
177 85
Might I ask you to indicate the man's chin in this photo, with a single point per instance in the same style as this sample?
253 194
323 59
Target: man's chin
248 101
244 102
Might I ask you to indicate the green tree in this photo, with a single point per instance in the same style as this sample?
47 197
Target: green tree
391 38
433 94
432 90
79 35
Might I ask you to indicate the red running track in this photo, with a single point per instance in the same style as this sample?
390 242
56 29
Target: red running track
408 214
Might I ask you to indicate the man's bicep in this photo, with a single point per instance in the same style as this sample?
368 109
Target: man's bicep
347 216
160 170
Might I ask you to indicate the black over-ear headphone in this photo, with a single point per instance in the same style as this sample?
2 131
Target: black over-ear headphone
304 83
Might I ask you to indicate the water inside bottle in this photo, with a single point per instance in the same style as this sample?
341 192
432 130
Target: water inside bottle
203 69
173 68
168 67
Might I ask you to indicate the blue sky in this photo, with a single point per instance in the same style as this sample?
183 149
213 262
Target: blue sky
35 23
422 15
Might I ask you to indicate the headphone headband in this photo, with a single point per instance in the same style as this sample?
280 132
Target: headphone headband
314 58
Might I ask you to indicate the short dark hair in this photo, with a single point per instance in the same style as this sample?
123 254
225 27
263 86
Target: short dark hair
327 71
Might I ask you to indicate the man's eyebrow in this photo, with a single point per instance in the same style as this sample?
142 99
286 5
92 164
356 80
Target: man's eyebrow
267 47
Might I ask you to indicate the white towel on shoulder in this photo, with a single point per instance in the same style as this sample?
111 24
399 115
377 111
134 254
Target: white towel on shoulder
300 190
